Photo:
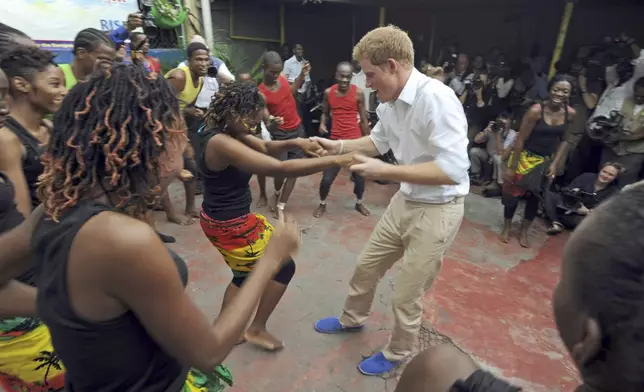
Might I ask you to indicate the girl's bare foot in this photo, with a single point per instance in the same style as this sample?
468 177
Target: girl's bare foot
273 203
507 228
263 339
181 220
523 239
505 235
262 201
192 212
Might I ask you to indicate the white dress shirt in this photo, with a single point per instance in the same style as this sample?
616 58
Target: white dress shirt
426 124
292 70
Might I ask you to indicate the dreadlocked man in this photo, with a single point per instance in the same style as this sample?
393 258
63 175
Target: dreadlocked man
231 155
107 280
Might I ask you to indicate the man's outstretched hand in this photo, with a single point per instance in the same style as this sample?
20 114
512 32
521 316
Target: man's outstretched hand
311 148
369 167
330 147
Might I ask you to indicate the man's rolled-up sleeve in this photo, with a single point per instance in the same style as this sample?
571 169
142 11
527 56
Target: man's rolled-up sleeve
379 138
449 141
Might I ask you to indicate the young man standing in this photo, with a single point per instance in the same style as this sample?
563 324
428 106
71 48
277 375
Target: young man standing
283 109
423 123
345 103
292 69
187 80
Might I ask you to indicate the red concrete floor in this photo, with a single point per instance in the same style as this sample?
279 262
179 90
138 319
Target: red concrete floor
491 299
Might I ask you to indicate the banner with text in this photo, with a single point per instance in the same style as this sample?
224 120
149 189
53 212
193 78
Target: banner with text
55 23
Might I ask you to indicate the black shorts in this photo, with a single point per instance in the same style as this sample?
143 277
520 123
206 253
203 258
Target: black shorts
288 135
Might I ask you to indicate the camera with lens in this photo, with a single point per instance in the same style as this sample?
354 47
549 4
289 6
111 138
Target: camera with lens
497 126
475 84
149 27
573 199
607 129
450 64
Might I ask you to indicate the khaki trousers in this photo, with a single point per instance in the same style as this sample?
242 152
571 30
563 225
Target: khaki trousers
420 234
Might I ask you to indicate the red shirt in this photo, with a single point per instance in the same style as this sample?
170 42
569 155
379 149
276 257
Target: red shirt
281 103
344 114
155 65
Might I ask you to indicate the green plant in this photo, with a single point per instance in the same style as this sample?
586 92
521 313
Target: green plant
235 57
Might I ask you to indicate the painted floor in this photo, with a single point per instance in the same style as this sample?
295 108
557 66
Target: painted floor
492 300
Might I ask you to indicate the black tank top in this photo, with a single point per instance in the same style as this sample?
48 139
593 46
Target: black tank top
227 192
544 139
31 165
111 356
10 218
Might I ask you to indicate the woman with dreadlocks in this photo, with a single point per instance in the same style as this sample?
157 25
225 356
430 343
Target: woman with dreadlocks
231 155
111 293
37 89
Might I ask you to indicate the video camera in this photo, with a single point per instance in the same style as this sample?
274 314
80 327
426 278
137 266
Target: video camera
149 27
607 129
574 198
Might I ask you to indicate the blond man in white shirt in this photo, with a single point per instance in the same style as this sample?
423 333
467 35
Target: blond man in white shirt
423 123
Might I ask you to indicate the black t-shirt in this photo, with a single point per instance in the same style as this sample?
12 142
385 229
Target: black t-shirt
586 183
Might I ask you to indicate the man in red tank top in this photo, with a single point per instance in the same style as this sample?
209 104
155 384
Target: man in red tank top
283 122
345 103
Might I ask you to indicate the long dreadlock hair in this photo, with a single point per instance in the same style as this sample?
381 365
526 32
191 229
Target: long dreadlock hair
109 134
235 100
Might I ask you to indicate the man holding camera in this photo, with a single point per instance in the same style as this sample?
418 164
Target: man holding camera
499 140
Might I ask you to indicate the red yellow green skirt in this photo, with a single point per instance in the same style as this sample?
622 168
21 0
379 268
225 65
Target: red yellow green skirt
529 175
27 358
241 241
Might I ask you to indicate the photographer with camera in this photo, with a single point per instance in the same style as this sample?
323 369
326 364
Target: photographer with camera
475 98
122 33
627 148
457 72
568 207
499 140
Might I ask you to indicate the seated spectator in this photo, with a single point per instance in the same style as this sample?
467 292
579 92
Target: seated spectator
628 149
597 310
566 209
499 140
